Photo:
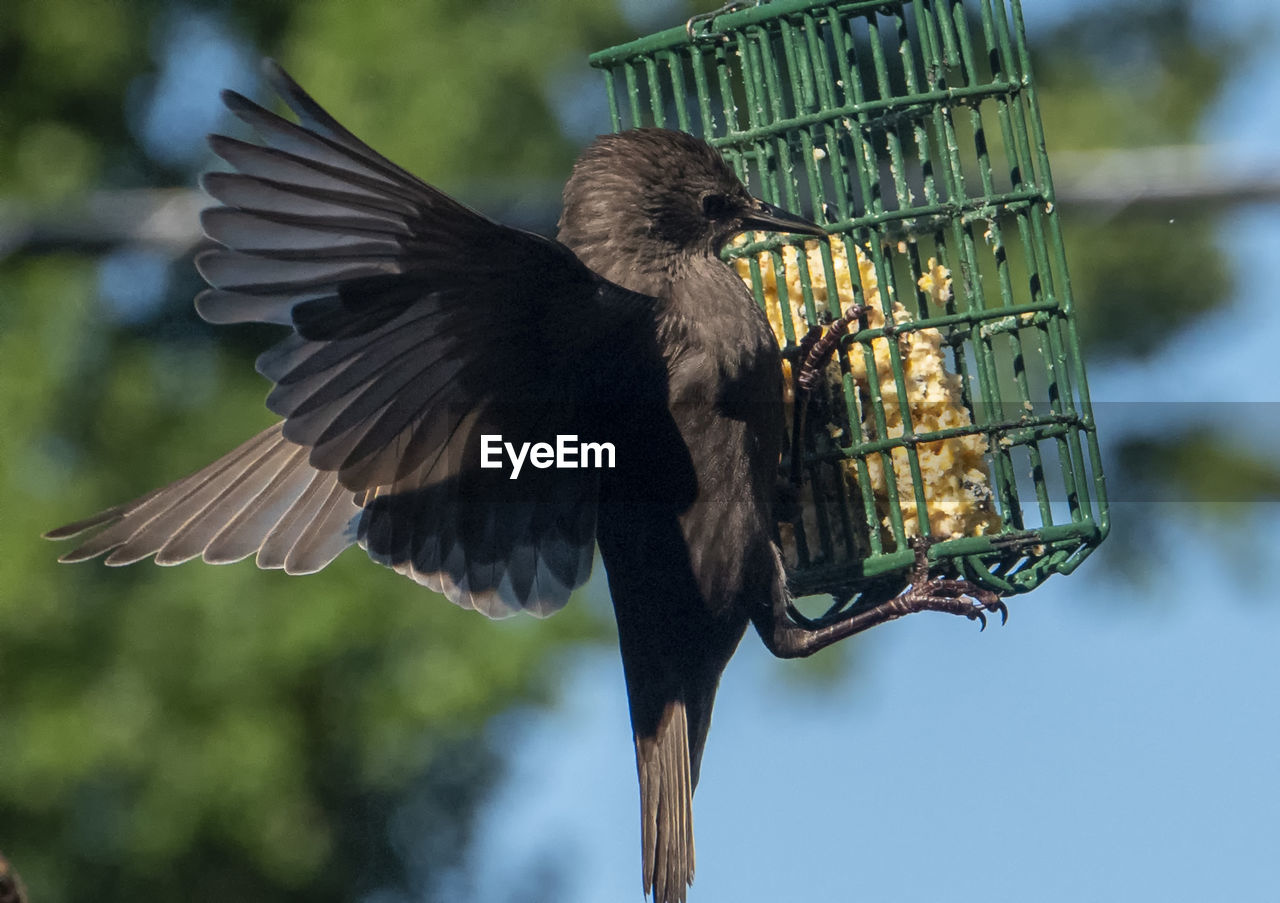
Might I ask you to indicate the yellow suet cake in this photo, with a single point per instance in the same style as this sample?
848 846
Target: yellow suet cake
956 479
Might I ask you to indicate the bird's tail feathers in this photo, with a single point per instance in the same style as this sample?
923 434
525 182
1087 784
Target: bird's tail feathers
666 806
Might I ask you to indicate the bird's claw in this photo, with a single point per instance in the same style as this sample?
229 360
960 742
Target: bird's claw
960 597
982 606
957 597
983 602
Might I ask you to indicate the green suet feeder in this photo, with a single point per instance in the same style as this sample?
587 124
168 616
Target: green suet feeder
911 130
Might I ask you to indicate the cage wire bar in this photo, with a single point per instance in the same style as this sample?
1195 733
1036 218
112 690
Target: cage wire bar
877 118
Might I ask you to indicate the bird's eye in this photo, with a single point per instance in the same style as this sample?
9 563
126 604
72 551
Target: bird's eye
716 206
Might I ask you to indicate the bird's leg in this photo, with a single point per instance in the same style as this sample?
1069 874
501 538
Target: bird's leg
786 637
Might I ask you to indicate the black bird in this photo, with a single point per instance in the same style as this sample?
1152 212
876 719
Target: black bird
418 327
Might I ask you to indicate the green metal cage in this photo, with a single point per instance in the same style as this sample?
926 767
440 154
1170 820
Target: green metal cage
911 129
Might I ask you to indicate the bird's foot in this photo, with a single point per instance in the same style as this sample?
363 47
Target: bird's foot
957 597
819 344
790 636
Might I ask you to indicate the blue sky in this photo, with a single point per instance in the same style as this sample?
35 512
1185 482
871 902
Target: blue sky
1096 748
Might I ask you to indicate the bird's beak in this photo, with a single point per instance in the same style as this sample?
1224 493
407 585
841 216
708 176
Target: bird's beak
774 219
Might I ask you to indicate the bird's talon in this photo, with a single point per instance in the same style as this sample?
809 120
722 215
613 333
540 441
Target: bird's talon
959 597
990 602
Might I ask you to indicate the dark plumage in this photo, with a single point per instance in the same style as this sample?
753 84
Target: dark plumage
687 564
418 326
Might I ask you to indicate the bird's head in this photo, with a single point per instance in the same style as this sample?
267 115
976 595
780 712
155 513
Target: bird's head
661 192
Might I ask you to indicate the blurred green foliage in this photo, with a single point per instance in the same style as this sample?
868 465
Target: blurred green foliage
1134 75
206 733
222 733
225 734
1140 74
1217 474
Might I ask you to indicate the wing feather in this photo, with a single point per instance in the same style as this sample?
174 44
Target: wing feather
418 325
261 491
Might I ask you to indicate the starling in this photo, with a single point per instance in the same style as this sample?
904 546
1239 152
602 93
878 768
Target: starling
426 341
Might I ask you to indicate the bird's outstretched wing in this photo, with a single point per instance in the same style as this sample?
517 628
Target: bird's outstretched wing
419 327
263 498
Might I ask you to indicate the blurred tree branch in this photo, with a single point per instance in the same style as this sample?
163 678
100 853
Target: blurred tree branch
1098 182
